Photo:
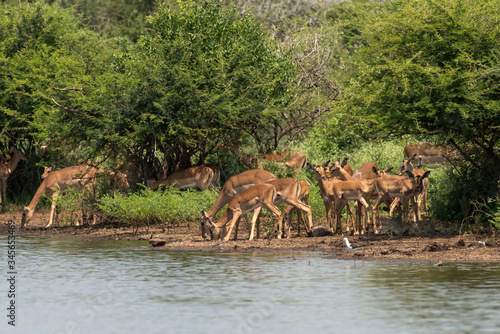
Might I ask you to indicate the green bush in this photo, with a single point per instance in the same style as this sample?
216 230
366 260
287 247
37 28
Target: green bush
147 207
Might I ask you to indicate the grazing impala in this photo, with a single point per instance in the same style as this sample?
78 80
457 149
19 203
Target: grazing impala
6 169
233 186
57 182
201 177
252 199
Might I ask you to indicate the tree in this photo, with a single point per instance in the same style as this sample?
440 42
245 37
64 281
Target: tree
432 67
206 78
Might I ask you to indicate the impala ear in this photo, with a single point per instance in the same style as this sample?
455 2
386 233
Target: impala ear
326 164
410 174
413 157
388 169
344 162
426 174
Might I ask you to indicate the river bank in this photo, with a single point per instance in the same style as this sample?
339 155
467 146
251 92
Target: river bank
432 246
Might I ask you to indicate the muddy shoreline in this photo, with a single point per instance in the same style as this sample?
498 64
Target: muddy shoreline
431 247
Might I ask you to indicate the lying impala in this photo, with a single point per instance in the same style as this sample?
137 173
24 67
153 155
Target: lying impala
252 199
56 183
407 188
201 177
6 170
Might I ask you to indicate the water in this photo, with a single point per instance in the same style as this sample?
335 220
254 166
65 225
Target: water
74 285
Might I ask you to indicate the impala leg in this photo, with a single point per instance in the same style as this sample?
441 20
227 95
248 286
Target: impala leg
375 207
279 225
53 207
308 210
329 213
366 220
338 216
256 214
415 207
286 220
393 206
234 221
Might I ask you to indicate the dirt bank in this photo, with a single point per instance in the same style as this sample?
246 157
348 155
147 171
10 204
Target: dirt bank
435 247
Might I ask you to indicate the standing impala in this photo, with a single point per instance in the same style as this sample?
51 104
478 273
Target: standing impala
407 166
233 186
407 188
325 182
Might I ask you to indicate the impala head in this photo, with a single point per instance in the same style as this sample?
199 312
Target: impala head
381 172
320 171
206 226
26 216
406 165
48 170
418 179
14 151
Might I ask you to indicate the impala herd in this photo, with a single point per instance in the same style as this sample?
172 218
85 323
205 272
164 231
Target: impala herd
361 192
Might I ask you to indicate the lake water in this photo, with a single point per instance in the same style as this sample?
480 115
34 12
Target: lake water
75 285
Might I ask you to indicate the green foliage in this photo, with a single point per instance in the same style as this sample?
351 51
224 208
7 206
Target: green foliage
148 207
75 206
425 68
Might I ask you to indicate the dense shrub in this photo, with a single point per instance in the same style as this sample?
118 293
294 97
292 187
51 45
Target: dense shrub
147 207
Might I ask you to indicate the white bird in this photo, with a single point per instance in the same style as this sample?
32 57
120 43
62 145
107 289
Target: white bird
355 247
482 242
218 245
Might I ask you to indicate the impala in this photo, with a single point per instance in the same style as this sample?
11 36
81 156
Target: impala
289 209
407 166
426 152
252 199
407 188
362 174
56 183
6 170
325 181
201 177
47 171
289 190
233 186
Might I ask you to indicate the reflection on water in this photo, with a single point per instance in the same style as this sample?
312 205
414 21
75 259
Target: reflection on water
72 285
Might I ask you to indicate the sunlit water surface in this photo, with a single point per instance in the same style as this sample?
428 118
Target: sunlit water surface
73 285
